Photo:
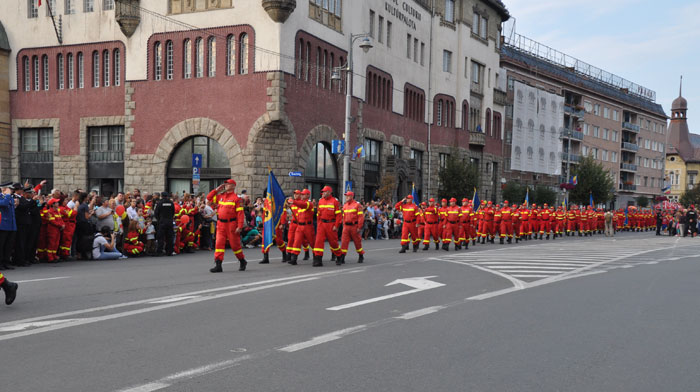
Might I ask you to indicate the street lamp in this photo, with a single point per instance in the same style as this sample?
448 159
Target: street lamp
366 45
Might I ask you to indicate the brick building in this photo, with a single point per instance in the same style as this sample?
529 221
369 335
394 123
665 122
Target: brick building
112 95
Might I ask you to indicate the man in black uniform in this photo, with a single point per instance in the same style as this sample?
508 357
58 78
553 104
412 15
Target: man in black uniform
692 217
24 228
164 213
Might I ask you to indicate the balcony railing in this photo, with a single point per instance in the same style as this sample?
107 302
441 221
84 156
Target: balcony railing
628 166
630 146
628 187
477 88
477 138
578 135
106 156
500 97
570 157
36 157
574 111
630 127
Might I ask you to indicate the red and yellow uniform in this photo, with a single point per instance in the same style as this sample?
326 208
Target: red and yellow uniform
132 245
304 232
516 222
524 221
572 220
534 220
560 217
53 230
431 216
353 221
506 226
328 220
68 215
454 216
230 222
465 231
442 214
545 221
409 211
420 220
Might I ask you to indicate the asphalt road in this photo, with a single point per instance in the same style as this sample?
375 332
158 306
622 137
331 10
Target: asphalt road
575 314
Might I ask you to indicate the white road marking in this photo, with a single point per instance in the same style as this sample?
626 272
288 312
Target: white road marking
568 263
531 276
37 324
420 312
329 337
150 387
503 268
174 299
41 280
418 284
516 283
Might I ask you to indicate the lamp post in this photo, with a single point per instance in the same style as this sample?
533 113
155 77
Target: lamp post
366 45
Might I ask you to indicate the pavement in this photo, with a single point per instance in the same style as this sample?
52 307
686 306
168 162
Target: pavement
571 314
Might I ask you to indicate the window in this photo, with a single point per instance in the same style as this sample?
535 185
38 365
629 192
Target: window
105 66
35 65
324 67
380 30
117 68
95 69
439 113
475 24
70 6
81 70
417 155
106 144
27 72
422 53
606 134
231 56
88 5
446 61
388 34
483 27
32 9
588 106
157 61
71 75
318 66
443 160
211 57
596 109
396 150
45 68
596 131
187 61
169 60
408 45
372 148
613 156
584 150
647 144
371 23
606 112
199 57
616 115
108 5
476 72
646 181
415 49
450 11
243 70
604 155
614 136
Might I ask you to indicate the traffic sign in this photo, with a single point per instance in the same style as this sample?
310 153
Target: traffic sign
195 172
348 186
197 160
295 174
338 146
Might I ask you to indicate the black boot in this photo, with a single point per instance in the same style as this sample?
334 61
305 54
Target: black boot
285 257
333 258
293 259
10 289
426 246
306 255
339 260
342 259
217 267
360 260
243 264
266 258
404 248
458 246
502 240
492 240
579 234
510 240
474 242
437 246
415 247
318 261
517 239
446 246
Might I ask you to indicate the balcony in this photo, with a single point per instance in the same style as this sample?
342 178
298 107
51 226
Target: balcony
477 88
574 111
106 156
628 187
570 157
477 138
628 126
630 146
36 157
577 135
628 167
500 97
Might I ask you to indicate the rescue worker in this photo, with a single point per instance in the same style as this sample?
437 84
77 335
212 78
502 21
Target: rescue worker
409 210
443 218
534 221
546 221
293 224
230 222
353 221
571 221
516 223
53 230
454 217
488 233
68 215
506 227
328 221
524 222
465 223
420 220
431 216
304 233
10 289
560 219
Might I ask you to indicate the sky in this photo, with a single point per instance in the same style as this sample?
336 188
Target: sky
650 43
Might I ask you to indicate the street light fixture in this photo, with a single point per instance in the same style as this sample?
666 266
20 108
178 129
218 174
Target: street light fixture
366 45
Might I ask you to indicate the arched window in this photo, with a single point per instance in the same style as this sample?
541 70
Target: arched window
307 61
169 61
465 115
300 59
199 56
35 65
71 70
117 67
211 57
321 170
330 72
389 95
45 67
324 69
439 113
81 70
341 83
27 73
157 61
187 59
95 69
243 54
105 66
60 72
488 122
318 66
216 167
230 55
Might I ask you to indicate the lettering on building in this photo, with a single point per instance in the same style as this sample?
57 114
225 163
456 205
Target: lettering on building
404 12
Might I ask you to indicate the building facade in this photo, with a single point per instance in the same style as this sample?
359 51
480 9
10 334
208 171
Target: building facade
111 95
615 121
683 155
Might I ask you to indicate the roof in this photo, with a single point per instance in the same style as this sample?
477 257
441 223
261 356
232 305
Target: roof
579 80
679 103
4 42
500 8
694 140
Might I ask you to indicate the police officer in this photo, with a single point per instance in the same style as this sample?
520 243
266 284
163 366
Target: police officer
164 214
8 226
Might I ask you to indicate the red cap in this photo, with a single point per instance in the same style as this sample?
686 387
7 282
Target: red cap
490 202
505 202
305 192
410 197
297 192
350 193
432 199
52 201
230 181
465 199
423 204
326 189
445 200
453 200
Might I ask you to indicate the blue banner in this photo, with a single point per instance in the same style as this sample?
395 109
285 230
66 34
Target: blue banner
414 193
274 206
476 203
590 202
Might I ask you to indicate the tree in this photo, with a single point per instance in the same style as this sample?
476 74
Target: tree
593 179
387 188
458 178
691 196
514 192
542 195
642 201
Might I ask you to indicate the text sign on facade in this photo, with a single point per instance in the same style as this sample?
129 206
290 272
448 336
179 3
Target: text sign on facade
295 174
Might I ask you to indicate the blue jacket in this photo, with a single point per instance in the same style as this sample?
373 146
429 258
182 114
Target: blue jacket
7 209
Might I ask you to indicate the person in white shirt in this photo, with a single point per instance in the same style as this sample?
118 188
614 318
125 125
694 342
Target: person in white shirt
104 249
133 211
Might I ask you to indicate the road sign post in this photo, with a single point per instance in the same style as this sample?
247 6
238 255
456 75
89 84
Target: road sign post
196 172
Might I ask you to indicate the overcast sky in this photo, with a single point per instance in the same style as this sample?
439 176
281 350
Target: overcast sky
650 43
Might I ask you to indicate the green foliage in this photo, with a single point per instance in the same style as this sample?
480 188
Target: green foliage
542 195
387 188
691 196
514 193
642 201
592 178
458 178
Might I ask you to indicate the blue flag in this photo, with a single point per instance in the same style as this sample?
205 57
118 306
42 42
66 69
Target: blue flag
414 193
626 212
590 202
274 206
476 203
527 197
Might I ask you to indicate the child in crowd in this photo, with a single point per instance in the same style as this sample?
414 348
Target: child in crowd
132 245
150 237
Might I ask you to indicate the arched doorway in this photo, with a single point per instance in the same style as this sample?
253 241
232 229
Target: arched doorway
215 165
321 170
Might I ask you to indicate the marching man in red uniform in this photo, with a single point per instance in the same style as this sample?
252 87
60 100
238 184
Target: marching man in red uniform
454 216
465 230
409 211
231 220
328 220
431 216
353 221
304 233
506 228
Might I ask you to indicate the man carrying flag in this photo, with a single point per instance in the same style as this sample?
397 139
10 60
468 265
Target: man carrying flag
275 218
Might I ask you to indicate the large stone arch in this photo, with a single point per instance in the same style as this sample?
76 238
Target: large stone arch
199 126
273 145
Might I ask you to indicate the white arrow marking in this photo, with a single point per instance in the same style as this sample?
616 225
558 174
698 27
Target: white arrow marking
418 284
